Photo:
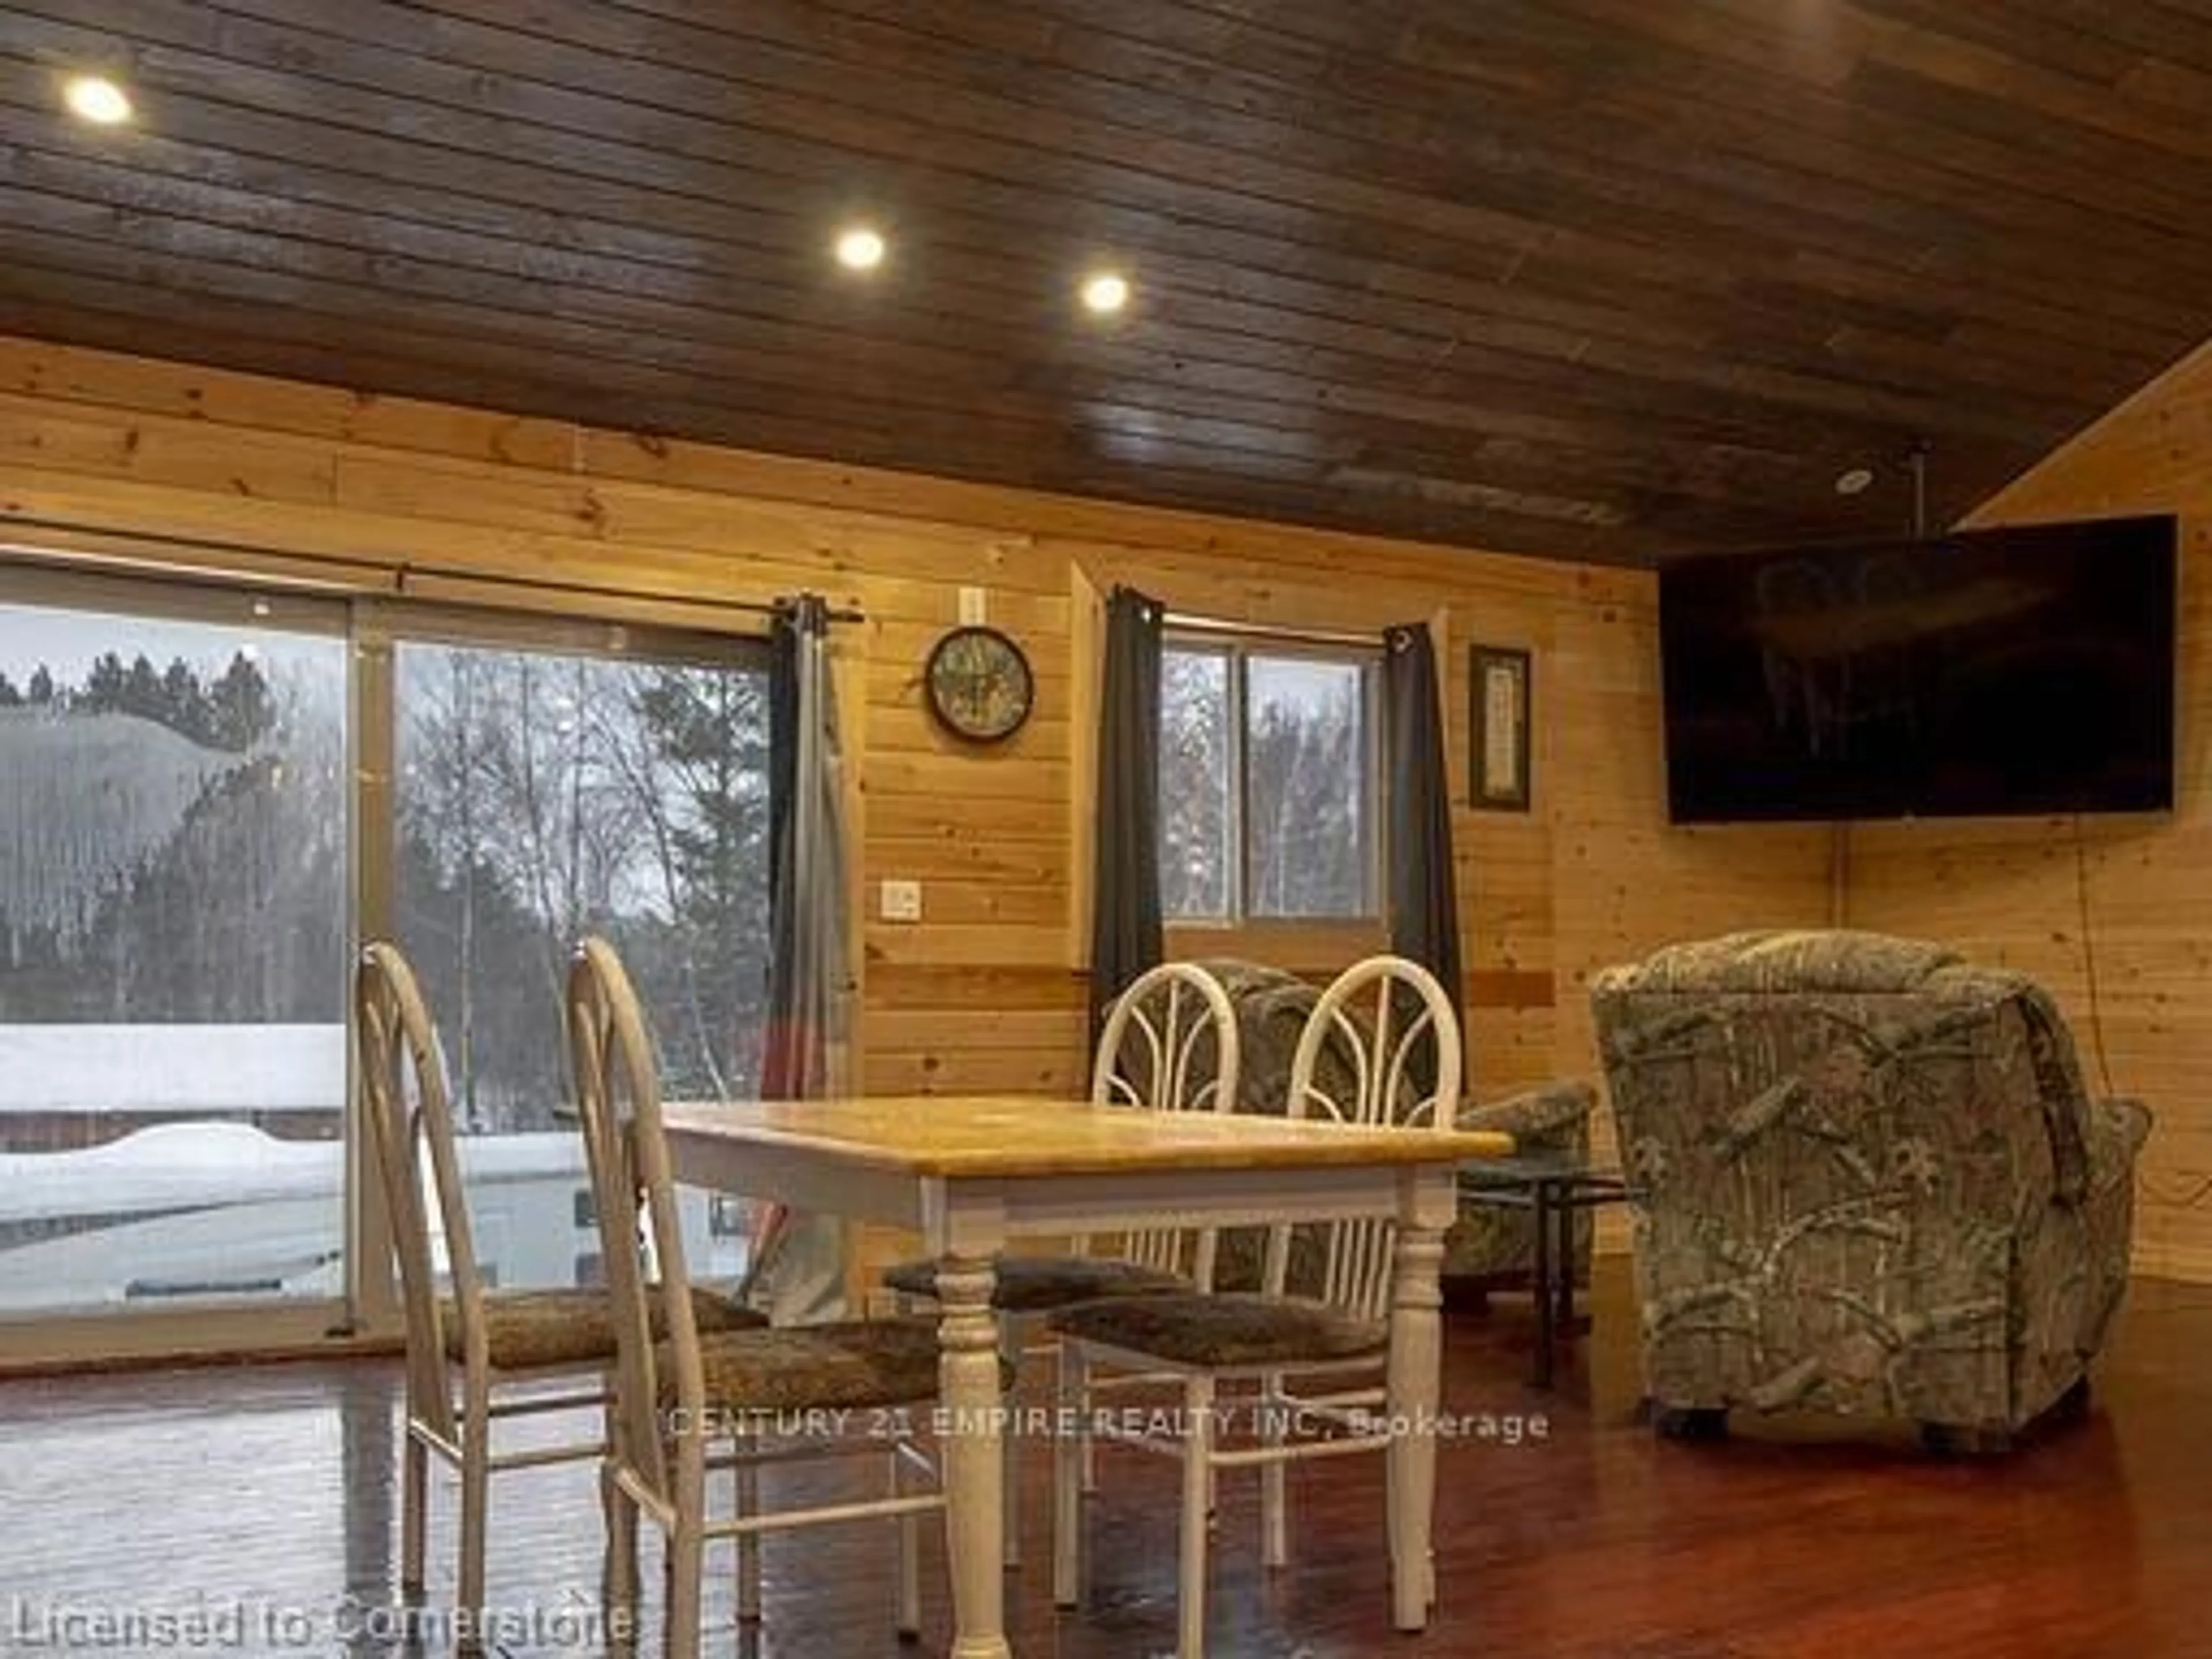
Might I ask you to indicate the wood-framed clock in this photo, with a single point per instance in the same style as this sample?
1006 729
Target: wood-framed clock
979 685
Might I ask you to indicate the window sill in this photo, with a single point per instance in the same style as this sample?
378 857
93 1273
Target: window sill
1311 950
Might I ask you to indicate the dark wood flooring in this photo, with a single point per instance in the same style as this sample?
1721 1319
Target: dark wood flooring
269 1492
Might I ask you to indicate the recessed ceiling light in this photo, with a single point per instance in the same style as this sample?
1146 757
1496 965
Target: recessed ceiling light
96 98
1105 291
1854 482
861 248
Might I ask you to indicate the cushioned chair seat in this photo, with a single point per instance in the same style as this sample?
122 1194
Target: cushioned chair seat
1034 1284
854 1363
526 1329
1225 1330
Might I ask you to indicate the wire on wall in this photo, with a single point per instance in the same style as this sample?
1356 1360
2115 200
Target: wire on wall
1839 873
1916 462
2089 955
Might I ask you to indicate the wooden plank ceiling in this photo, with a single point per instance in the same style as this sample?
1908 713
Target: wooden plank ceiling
1596 278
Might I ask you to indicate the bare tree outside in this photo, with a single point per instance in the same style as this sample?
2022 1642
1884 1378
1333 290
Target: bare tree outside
1267 785
1307 789
1198 863
542 798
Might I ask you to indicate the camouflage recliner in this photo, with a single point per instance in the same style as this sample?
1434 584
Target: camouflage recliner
1872 1183
1488 1248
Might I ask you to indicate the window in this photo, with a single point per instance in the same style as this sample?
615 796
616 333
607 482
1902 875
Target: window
1268 783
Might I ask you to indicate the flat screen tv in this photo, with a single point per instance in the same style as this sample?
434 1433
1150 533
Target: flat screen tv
2005 671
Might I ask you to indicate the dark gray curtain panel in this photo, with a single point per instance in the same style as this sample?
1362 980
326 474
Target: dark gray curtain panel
1424 896
1125 920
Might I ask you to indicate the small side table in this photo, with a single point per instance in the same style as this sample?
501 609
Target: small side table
1552 1186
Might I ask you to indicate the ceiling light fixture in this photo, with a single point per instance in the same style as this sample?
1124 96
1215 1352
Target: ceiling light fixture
1105 291
861 248
96 98
1854 482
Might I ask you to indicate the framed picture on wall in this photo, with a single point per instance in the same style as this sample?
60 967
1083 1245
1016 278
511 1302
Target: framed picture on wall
1497 727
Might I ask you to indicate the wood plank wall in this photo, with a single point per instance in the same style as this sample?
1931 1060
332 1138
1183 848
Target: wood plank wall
2128 897
985 991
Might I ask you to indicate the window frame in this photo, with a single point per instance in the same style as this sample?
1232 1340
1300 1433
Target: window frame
380 627
1238 646
156 1326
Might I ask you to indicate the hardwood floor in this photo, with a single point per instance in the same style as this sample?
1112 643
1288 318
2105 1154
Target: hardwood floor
270 1493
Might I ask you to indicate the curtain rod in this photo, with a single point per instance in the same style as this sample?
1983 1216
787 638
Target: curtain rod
141 550
59 543
404 574
1272 631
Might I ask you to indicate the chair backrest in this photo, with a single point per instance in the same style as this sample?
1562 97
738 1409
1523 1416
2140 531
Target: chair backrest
1400 1031
1169 1044
408 1119
634 1195
1836 1137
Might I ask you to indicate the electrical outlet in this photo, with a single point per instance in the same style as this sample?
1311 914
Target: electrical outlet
902 901
974 607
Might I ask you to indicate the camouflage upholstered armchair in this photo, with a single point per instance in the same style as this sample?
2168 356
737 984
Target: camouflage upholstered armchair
1489 1247
1872 1184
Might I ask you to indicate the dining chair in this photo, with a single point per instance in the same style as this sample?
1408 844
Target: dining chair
1404 1062
1169 1044
687 1400
474 1355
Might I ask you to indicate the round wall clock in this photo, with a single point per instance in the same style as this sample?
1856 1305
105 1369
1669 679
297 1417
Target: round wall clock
979 685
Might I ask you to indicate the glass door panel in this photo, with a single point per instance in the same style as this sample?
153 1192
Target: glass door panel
174 880
540 795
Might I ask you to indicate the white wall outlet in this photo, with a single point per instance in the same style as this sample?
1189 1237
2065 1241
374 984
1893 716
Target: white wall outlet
974 607
902 901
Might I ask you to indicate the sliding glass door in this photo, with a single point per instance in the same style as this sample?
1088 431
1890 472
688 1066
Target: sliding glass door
207 797
173 871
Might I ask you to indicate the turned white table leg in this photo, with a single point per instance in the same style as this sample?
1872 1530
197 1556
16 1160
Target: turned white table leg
973 1452
1071 1444
1416 1359
1010 1451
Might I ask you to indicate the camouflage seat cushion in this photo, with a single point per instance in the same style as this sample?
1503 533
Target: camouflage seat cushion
1036 1284
525 1330
1226 1330
854 1363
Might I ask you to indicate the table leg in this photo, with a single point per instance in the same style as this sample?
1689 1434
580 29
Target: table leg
1416 1360
972 1449
1564 1216
1540 1207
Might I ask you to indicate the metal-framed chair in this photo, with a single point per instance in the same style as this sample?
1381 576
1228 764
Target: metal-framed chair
1169 1044
689 1401
499 1352
1406 1064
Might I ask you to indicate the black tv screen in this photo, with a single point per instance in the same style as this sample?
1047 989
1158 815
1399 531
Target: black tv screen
2005 672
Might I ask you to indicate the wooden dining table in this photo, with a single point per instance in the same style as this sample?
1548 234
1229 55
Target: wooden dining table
968 1172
